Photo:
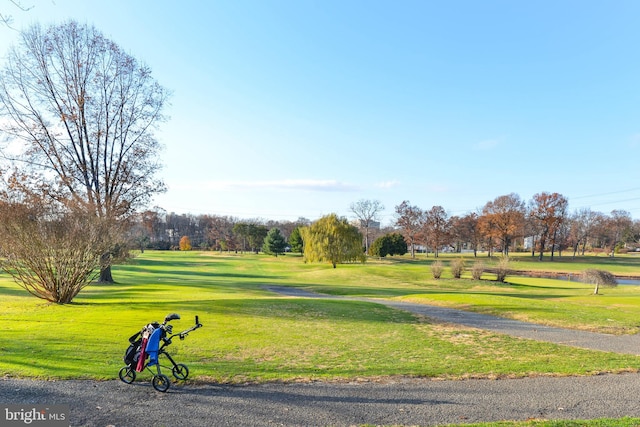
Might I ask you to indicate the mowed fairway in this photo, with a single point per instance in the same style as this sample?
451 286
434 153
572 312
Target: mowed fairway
252 335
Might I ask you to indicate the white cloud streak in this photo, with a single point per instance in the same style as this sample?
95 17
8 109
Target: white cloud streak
282 185
388 184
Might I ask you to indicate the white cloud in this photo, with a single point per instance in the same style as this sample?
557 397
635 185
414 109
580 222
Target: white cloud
388 184
287 184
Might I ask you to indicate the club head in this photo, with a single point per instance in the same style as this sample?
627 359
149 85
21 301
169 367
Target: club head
172 316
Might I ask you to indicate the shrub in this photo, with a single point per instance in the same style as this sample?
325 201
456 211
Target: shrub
389 244
457 267
436 269
476 270
599 278
503 269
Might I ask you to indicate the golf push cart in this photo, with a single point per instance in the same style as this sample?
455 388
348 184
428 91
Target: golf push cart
150 343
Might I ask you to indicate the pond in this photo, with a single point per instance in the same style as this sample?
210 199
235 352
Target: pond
576 278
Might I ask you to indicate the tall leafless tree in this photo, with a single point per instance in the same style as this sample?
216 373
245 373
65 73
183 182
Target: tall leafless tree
583 223
618 227
367 212
79 113
466 231
410 221
437 228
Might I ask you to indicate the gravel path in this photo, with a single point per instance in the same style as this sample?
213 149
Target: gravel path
401 401
627 344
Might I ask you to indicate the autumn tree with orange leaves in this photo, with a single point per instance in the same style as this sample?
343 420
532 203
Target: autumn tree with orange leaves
548 211
502 220
410 220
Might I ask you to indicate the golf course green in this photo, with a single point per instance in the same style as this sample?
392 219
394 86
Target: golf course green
253 335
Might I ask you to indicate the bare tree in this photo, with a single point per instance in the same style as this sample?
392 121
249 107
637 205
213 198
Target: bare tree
437 227
367 212
7 19
583 223
548 211
83 113
618 226
410 220
219 231
467 231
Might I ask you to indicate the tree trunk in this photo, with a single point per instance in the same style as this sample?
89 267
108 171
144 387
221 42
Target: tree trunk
105 275
542 242
105 269
533 246
366 240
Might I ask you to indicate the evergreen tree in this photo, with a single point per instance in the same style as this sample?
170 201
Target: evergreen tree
295 241
398 244
274 243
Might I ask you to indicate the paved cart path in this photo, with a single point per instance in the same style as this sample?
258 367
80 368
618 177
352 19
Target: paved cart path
398 402
627 344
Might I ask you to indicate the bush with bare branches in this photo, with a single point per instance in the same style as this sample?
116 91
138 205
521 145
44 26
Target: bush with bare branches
599 278
477 269
436 269
503 269
457 267
52 255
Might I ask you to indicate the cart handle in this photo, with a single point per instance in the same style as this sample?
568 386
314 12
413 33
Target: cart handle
186 332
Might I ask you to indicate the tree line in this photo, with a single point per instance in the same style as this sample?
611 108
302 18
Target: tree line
508 223
542 225
504 224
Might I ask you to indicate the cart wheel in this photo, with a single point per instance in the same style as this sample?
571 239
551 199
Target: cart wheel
180 371
127 374
161 382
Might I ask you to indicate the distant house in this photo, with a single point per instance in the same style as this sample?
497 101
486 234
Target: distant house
373 225
528 242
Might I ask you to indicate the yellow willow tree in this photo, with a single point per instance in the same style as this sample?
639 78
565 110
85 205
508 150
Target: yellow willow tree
332 239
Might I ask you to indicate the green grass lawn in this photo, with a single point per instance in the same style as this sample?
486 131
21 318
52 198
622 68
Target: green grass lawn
253 335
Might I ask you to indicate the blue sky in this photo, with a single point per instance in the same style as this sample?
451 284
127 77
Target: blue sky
287 109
